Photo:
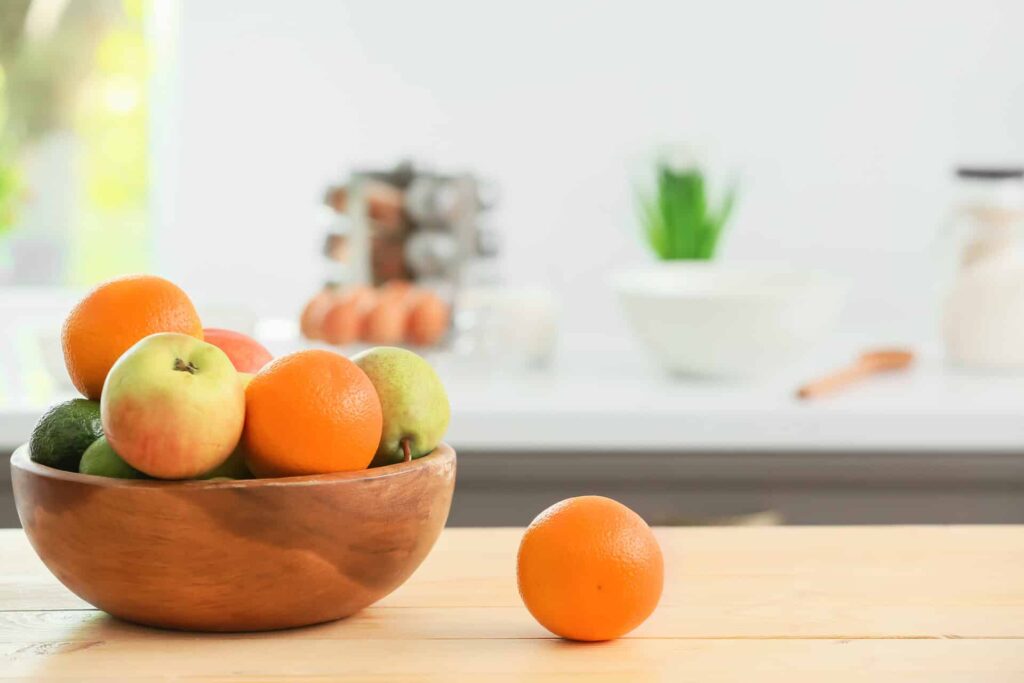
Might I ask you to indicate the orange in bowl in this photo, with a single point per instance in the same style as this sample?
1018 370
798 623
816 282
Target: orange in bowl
310 412
589 568
115 315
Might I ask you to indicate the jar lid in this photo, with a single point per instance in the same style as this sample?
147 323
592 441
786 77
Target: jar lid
990 172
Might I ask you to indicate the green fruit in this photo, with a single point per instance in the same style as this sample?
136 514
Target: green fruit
64 432
412 400
232 468
101 460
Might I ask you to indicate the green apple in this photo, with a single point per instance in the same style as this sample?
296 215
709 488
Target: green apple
101 460
412 400
173 406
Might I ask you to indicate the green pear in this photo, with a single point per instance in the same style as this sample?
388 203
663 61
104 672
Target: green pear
101 460
412 400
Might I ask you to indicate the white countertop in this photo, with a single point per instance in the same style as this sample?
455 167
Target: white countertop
607 402
929 408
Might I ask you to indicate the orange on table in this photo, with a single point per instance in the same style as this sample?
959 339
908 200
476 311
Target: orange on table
589 568
115 315
310 412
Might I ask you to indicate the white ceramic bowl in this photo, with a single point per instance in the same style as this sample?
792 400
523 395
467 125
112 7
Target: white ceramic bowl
701 318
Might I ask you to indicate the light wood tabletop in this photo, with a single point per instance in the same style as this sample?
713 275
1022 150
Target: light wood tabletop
788 604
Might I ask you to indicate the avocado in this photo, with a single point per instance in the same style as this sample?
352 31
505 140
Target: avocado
64 432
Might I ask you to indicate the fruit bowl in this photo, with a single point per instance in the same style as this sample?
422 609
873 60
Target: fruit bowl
235 555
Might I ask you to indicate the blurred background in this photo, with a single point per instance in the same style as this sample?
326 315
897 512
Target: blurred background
626 233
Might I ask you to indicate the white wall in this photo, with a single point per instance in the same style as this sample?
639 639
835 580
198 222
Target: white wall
843 118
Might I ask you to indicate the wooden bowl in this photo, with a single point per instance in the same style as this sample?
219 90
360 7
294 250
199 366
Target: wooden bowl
245 555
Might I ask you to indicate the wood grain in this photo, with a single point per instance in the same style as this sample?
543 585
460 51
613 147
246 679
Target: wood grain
235 555
934 604
630 660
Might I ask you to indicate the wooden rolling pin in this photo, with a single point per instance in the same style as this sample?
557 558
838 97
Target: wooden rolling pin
869 363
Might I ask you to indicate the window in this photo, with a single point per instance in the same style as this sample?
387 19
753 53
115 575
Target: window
74 111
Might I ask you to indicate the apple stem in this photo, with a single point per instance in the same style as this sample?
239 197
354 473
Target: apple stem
406 450
182 366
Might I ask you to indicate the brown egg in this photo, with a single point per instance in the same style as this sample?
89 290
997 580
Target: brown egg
312 319
344 319
385 322
428 320
402 289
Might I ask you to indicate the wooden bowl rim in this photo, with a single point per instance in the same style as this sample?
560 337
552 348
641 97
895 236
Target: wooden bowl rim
20 460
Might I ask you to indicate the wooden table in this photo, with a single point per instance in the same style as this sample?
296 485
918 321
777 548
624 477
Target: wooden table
828 604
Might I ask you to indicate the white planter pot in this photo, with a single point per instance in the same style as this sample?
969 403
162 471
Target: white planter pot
706 319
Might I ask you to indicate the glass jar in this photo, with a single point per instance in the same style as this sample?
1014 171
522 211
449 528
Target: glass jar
983 317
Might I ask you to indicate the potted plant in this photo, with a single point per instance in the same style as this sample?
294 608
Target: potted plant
700 317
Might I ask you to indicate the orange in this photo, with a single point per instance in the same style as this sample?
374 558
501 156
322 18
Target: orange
589 568
310 412
115 315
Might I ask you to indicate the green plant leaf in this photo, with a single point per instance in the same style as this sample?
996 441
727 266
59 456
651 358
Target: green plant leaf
677 221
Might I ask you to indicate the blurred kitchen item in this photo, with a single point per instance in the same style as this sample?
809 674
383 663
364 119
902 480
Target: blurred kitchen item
699 318
869 363
431 254
507 326
679 221
983 323
405 225
411 224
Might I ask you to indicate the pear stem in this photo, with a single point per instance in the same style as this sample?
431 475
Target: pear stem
406 450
